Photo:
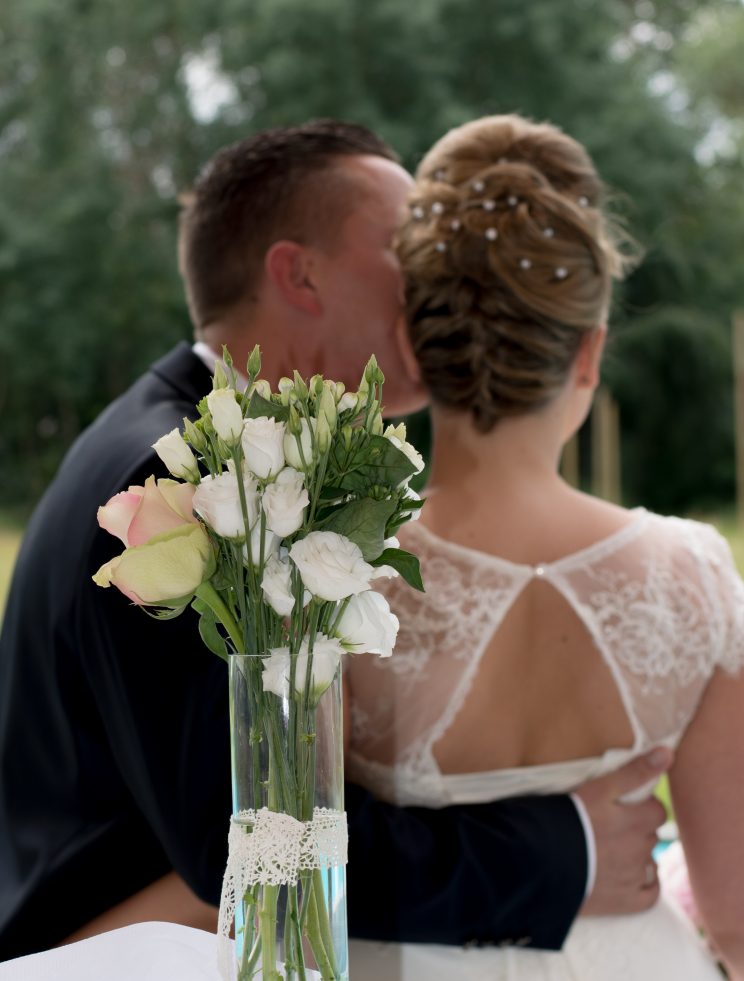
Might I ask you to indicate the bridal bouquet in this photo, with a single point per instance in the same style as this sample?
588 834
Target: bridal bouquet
283 514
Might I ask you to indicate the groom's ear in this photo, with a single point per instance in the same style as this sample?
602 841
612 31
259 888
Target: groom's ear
289 269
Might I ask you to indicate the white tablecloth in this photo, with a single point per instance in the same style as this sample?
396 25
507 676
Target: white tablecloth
142 952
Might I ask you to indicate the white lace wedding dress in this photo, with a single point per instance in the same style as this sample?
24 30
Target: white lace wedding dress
664 607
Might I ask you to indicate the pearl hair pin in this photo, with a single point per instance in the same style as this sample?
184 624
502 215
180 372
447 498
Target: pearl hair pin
489 205
478 186
548 232
492 234
512 200
441 246
437 208
584 201
418 212
525 264
561 272
455 224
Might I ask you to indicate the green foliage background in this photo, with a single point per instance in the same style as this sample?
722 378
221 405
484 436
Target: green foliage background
100 129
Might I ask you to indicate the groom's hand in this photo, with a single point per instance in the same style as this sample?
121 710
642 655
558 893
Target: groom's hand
625 835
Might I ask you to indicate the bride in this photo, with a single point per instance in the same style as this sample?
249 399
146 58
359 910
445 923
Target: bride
559 635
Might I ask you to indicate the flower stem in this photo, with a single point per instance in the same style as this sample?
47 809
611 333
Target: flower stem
324 924
267 917
328 971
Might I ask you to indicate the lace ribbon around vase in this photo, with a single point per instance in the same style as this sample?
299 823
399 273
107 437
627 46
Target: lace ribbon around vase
272 848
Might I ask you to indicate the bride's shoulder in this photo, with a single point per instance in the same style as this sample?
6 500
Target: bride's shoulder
699 538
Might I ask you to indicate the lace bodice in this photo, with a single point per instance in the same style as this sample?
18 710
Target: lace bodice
660 599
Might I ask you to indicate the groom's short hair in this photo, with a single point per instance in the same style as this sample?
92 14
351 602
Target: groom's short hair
277 184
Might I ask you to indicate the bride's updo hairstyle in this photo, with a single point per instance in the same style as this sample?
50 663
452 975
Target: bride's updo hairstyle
508 259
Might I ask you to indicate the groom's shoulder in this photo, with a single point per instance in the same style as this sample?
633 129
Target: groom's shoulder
116 449
154 404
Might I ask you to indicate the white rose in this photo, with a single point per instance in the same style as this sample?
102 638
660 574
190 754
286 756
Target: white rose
285 501
368 625
331 566
327 654
271 543
292 450
227 417
177 456
217 501
276 584
397 436
262 445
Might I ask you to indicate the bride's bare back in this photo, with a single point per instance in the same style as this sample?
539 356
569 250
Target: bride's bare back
542 692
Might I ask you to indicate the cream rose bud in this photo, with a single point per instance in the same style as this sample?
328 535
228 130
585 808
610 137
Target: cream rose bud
348 401
327 654
177 456
285 501
327 405
331 566
262 387
367 625
217 502
292 450
276 584
227 416
263 445
397 436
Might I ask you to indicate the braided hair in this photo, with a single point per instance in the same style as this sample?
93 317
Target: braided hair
508 259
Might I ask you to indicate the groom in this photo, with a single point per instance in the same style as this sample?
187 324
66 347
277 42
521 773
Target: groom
114 756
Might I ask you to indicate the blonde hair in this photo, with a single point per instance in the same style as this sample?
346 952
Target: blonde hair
508 260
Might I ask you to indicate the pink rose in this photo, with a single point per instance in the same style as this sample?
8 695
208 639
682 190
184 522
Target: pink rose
168 554
135 515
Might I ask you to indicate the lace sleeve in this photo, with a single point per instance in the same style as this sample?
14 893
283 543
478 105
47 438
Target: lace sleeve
729 593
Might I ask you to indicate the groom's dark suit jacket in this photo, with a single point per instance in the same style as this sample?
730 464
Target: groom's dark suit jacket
114 746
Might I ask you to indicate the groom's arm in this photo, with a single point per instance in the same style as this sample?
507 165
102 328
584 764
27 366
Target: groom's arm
512 871
508 872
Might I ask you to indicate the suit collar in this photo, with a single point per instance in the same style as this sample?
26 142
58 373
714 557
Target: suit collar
185 372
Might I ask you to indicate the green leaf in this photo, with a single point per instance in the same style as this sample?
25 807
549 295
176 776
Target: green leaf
375 461
403 515
165 612
405 563
259 406
208 630
364 522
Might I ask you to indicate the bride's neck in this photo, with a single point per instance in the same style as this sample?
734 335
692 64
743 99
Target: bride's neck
519 454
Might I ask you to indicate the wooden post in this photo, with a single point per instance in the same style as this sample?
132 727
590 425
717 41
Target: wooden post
606 447
738 360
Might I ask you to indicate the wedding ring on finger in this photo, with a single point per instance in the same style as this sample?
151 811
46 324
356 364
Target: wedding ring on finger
649 875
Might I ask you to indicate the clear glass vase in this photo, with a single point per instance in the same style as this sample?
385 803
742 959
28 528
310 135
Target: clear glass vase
288 833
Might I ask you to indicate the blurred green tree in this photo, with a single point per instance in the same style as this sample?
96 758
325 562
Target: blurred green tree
107 112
